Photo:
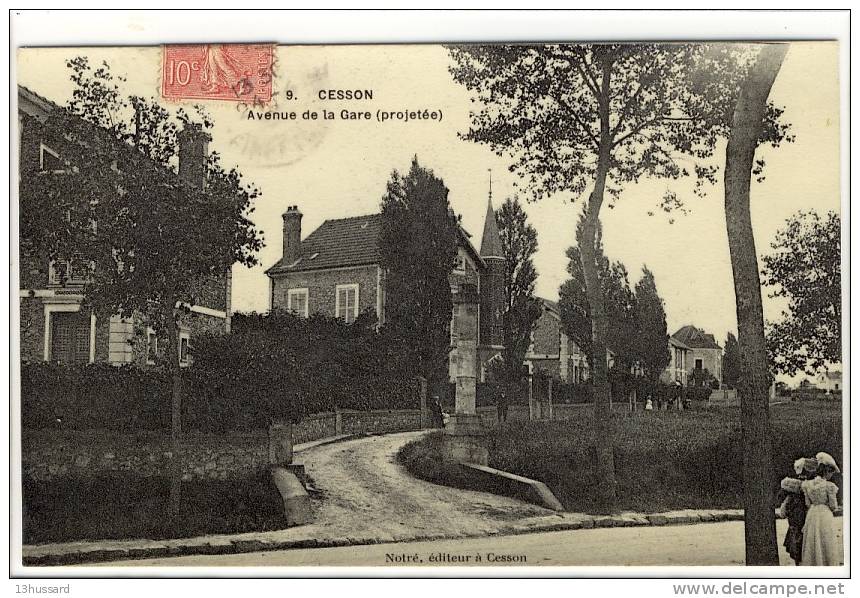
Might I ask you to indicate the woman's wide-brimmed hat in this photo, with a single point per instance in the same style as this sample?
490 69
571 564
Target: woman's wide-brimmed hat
805 464
826 459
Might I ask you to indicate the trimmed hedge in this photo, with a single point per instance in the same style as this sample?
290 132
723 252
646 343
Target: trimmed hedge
272 367
94 396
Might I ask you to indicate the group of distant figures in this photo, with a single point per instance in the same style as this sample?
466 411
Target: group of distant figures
808 501
677 403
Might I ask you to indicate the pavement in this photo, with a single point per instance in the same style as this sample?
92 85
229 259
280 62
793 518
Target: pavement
367 498
704 544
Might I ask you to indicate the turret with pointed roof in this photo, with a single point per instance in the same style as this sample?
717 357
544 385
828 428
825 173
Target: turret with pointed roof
491 241
492 281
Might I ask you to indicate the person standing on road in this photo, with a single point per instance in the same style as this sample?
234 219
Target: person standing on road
438 419
793 506
502 407
820 546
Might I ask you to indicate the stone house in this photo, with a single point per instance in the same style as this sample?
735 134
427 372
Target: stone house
703 351
830 381
679 357
554 353
54 325
551 351
336 271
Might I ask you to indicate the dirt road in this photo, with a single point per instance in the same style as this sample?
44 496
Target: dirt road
368 493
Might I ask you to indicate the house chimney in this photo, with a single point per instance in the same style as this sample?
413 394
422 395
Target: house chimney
292 234
193 154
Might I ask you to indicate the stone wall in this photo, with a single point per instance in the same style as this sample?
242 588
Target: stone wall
399 420
57 454
51 454
314 427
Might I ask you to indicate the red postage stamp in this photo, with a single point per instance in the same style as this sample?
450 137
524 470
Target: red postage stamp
233 72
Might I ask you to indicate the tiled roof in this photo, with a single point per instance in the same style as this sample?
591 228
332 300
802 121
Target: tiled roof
674 341
347 242
696 338
337 244
551 306
40 103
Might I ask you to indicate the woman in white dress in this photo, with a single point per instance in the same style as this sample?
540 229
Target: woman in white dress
820 545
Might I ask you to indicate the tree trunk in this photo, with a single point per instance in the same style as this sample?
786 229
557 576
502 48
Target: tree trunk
171 355
759 521
591 257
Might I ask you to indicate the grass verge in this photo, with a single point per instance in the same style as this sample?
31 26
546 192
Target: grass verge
663 460
125 506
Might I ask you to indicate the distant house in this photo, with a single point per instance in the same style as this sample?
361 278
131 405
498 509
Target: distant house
553 352
336 271
679 358
54 325
829 381
703 351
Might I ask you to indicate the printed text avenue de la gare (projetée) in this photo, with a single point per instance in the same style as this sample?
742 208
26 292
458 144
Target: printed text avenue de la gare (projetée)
354 113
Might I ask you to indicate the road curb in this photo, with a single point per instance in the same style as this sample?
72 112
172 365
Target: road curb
244 544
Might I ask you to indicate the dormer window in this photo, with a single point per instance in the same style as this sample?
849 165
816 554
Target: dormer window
68 272
49 160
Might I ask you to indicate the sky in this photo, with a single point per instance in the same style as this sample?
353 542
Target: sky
339 168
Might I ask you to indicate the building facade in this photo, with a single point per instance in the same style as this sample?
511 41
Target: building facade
704 353
679 358
830 381
54 324
336 271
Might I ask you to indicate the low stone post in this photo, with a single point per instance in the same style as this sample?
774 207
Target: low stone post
548 411
281 443
532 408
338 422
426 420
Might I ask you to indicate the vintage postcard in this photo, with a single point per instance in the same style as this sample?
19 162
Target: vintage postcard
443 307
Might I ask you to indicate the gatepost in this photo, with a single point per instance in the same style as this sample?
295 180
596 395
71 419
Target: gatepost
281 443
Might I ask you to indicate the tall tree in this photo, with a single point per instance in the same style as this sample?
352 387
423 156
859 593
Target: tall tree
748 130
805 269
418 248
651 338
522 308
620 306
598 117
731 362
149 239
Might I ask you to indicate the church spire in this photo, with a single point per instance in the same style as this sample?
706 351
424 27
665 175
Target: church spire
491 242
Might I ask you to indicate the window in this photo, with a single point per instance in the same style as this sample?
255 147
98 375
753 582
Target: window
460 264
698 364
184 339
70 337
346 302
297 301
